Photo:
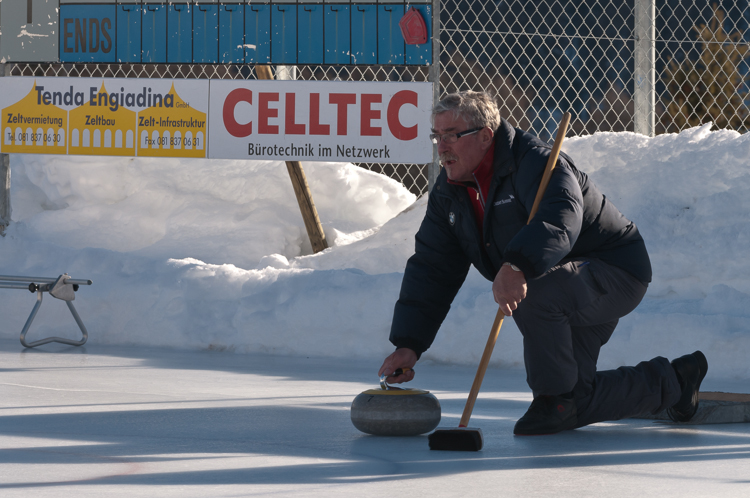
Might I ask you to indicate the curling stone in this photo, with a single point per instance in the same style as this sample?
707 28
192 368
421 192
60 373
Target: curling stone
391 411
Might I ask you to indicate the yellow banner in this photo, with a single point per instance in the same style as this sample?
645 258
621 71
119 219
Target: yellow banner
181 132
105 117
100 131
31 128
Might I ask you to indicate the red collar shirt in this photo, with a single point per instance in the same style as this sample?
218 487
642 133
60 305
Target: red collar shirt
479 189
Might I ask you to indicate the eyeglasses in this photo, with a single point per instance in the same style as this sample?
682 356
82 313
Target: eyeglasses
451 138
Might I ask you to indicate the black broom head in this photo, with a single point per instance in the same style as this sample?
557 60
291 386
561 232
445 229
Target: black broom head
456 439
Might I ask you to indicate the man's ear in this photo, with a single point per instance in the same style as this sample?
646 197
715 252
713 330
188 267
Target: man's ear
486 135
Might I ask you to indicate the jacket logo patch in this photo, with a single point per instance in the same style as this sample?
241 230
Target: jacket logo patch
504 201
451 218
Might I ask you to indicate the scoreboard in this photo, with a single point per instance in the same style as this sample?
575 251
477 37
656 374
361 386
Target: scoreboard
285 32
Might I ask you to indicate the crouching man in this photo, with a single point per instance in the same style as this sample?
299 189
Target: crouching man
566 278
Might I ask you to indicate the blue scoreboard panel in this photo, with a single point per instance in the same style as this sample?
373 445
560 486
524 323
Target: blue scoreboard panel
275 32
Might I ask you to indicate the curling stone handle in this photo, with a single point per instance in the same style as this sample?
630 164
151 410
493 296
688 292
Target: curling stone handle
399 371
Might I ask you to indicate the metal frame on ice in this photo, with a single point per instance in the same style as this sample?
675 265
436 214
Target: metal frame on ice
62 287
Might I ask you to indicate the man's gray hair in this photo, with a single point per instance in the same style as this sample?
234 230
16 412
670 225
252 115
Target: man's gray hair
477 108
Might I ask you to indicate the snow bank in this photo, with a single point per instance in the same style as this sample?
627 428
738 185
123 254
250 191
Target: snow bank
213 254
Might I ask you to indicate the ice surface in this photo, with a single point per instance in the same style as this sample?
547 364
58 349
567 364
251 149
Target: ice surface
136 421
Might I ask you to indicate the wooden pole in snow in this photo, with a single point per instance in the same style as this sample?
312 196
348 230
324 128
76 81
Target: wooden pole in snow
301 189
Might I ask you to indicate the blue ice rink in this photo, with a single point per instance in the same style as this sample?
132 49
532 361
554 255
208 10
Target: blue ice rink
114 421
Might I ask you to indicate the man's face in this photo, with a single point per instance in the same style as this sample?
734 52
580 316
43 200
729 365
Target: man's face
461 158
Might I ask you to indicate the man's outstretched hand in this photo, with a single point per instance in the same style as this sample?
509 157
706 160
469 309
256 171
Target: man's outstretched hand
401 358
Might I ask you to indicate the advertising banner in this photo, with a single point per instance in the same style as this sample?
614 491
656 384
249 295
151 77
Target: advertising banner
338 121
104 116
360 122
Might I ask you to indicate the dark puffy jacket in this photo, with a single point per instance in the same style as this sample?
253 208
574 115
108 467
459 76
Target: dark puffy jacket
574 219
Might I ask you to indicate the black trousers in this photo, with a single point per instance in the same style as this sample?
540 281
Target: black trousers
569 313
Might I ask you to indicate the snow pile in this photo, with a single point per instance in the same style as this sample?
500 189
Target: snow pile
214 254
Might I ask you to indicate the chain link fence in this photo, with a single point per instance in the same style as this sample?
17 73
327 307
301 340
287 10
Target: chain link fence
547 57
610 63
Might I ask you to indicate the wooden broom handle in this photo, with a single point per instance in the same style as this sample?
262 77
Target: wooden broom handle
551 163
479 377
495 332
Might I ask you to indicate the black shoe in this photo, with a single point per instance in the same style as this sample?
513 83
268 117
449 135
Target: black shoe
547 415
690 370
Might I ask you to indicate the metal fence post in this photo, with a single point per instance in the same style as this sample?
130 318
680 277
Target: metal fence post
433 169
286 72
644 97
5 209
4 192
